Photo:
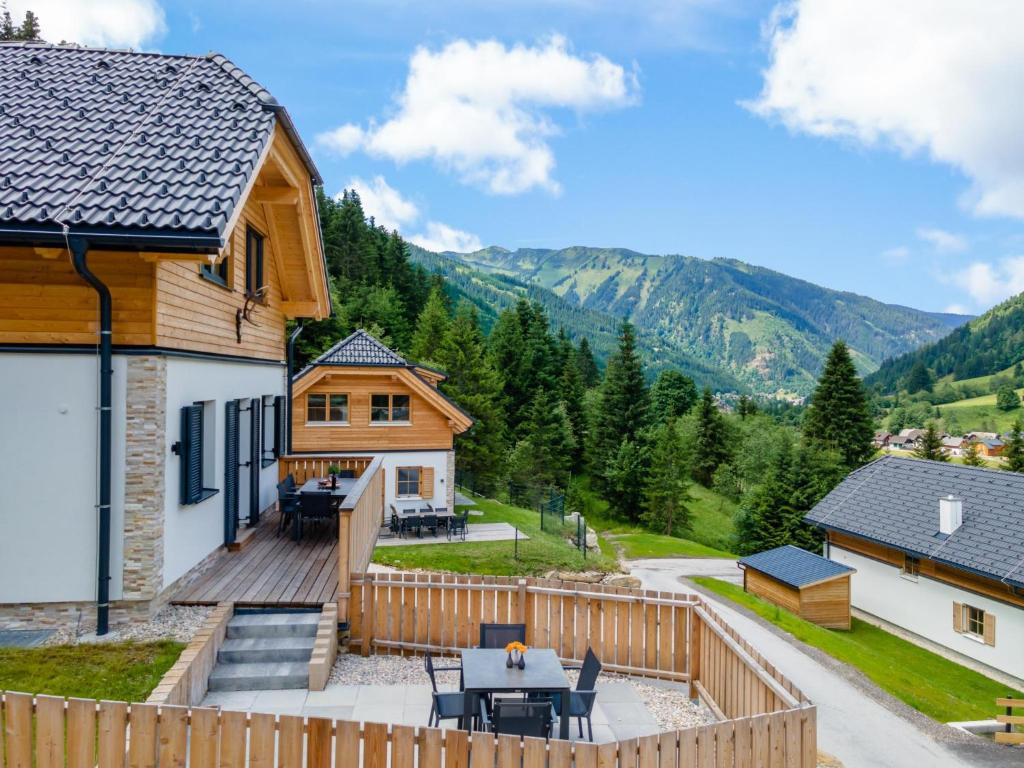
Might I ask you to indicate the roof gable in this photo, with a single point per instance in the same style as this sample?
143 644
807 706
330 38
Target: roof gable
119 141
360 348
895 501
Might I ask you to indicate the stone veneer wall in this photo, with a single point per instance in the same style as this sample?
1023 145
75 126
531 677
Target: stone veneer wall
450 481
145 461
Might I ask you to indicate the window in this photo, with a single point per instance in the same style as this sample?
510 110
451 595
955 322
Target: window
253 262
911 567
269 426
195 448
975 621
409 481
389 408
219 273
327 408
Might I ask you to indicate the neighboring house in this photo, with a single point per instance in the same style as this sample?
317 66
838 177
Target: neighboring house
952 445
361 398
881 439
157 227
939 552
902 443
975 436
990 447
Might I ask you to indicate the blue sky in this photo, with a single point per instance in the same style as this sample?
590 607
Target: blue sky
715 129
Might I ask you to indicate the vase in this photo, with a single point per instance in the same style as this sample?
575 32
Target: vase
508 662
522 661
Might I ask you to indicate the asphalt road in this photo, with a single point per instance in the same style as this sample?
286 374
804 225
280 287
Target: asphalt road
853 725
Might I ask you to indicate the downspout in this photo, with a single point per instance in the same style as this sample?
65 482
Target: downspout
291 360
79 249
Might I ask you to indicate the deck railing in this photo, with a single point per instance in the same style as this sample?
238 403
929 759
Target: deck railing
81 733
306 467
359 520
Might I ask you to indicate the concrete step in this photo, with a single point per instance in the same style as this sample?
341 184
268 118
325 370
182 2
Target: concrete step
260 676
249 650
266 625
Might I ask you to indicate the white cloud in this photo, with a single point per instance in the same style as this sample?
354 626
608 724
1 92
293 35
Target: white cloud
113 23
385 203
441 237
957 309
898 254
481 110
941 240
990 283
942 77
343 140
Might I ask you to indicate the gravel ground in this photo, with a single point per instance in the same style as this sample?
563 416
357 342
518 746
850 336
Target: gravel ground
668 703
173 622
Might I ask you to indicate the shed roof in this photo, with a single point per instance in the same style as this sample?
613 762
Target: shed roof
123 143
895 501
794 566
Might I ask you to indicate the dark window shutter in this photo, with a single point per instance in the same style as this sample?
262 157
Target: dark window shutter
255 458
280 425
231 458
191 454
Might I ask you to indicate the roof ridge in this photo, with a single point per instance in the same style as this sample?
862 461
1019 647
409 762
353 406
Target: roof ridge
948 465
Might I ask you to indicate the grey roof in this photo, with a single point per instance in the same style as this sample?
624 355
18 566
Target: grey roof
127 143
794 566
895 501
360 348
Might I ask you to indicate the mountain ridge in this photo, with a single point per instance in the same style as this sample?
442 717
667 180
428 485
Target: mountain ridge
768 330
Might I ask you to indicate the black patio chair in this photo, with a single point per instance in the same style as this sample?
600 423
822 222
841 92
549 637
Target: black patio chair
346 473
289 482
428 521
288 505
412 523
316 506
444 705
582 699
519 718
500 635
395 526
458 525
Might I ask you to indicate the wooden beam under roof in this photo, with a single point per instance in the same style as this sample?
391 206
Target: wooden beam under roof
276 194
275 250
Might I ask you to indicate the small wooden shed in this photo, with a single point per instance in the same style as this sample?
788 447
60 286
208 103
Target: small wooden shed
813 587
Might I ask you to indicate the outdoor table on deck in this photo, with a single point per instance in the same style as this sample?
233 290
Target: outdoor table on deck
344 486
409 514
484 671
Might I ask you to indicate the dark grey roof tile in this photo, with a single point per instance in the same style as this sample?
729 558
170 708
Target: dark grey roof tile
794 566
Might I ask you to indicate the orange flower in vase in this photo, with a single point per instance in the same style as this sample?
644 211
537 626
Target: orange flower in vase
516 655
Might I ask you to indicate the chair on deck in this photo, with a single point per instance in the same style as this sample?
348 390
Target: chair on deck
519 718
346 473
316 506
428 521
444 705
500 635
581 700
288 504
458 526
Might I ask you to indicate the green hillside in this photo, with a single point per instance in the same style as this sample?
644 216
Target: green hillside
988 345
980 413
493 291
769 331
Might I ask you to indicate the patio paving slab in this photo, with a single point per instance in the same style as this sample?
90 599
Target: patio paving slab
475 532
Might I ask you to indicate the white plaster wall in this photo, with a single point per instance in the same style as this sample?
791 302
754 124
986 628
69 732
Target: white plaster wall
925 607
392 460
48 472
193 531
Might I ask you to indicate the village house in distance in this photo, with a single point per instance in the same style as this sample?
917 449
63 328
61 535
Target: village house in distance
149 260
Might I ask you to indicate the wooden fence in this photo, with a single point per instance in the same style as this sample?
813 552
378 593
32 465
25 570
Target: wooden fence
304 468
80 733
657 634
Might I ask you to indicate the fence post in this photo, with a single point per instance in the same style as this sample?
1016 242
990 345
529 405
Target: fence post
693 650
368 614
521 585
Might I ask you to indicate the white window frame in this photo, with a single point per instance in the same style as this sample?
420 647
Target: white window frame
419 483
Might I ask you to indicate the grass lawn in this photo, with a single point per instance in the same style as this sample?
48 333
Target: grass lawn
543 551
118 671
929 683
974 413
639 545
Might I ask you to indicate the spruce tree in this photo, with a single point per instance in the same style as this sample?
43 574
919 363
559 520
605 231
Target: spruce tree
589 374
672 395
746 407
626 478
1013 453
838 417
474 384
7 28
622 410
571 388
931 445
919 379
710 442
550 436
431 328
666 492
1007 398
30 27
971 456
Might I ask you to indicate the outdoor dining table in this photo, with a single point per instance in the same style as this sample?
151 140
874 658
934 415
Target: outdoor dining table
484 671
313 485
410 514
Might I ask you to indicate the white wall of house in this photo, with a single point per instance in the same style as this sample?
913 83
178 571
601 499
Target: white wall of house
925 608
191 532
393 459
48 472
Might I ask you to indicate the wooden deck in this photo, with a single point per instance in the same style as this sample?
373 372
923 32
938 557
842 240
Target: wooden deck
270 570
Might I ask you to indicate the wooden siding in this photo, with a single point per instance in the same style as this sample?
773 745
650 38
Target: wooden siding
929 568
828 603
772 590
429 428
197 314
44 301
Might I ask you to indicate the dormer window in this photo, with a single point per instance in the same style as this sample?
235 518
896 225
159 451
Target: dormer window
323 408
389 409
